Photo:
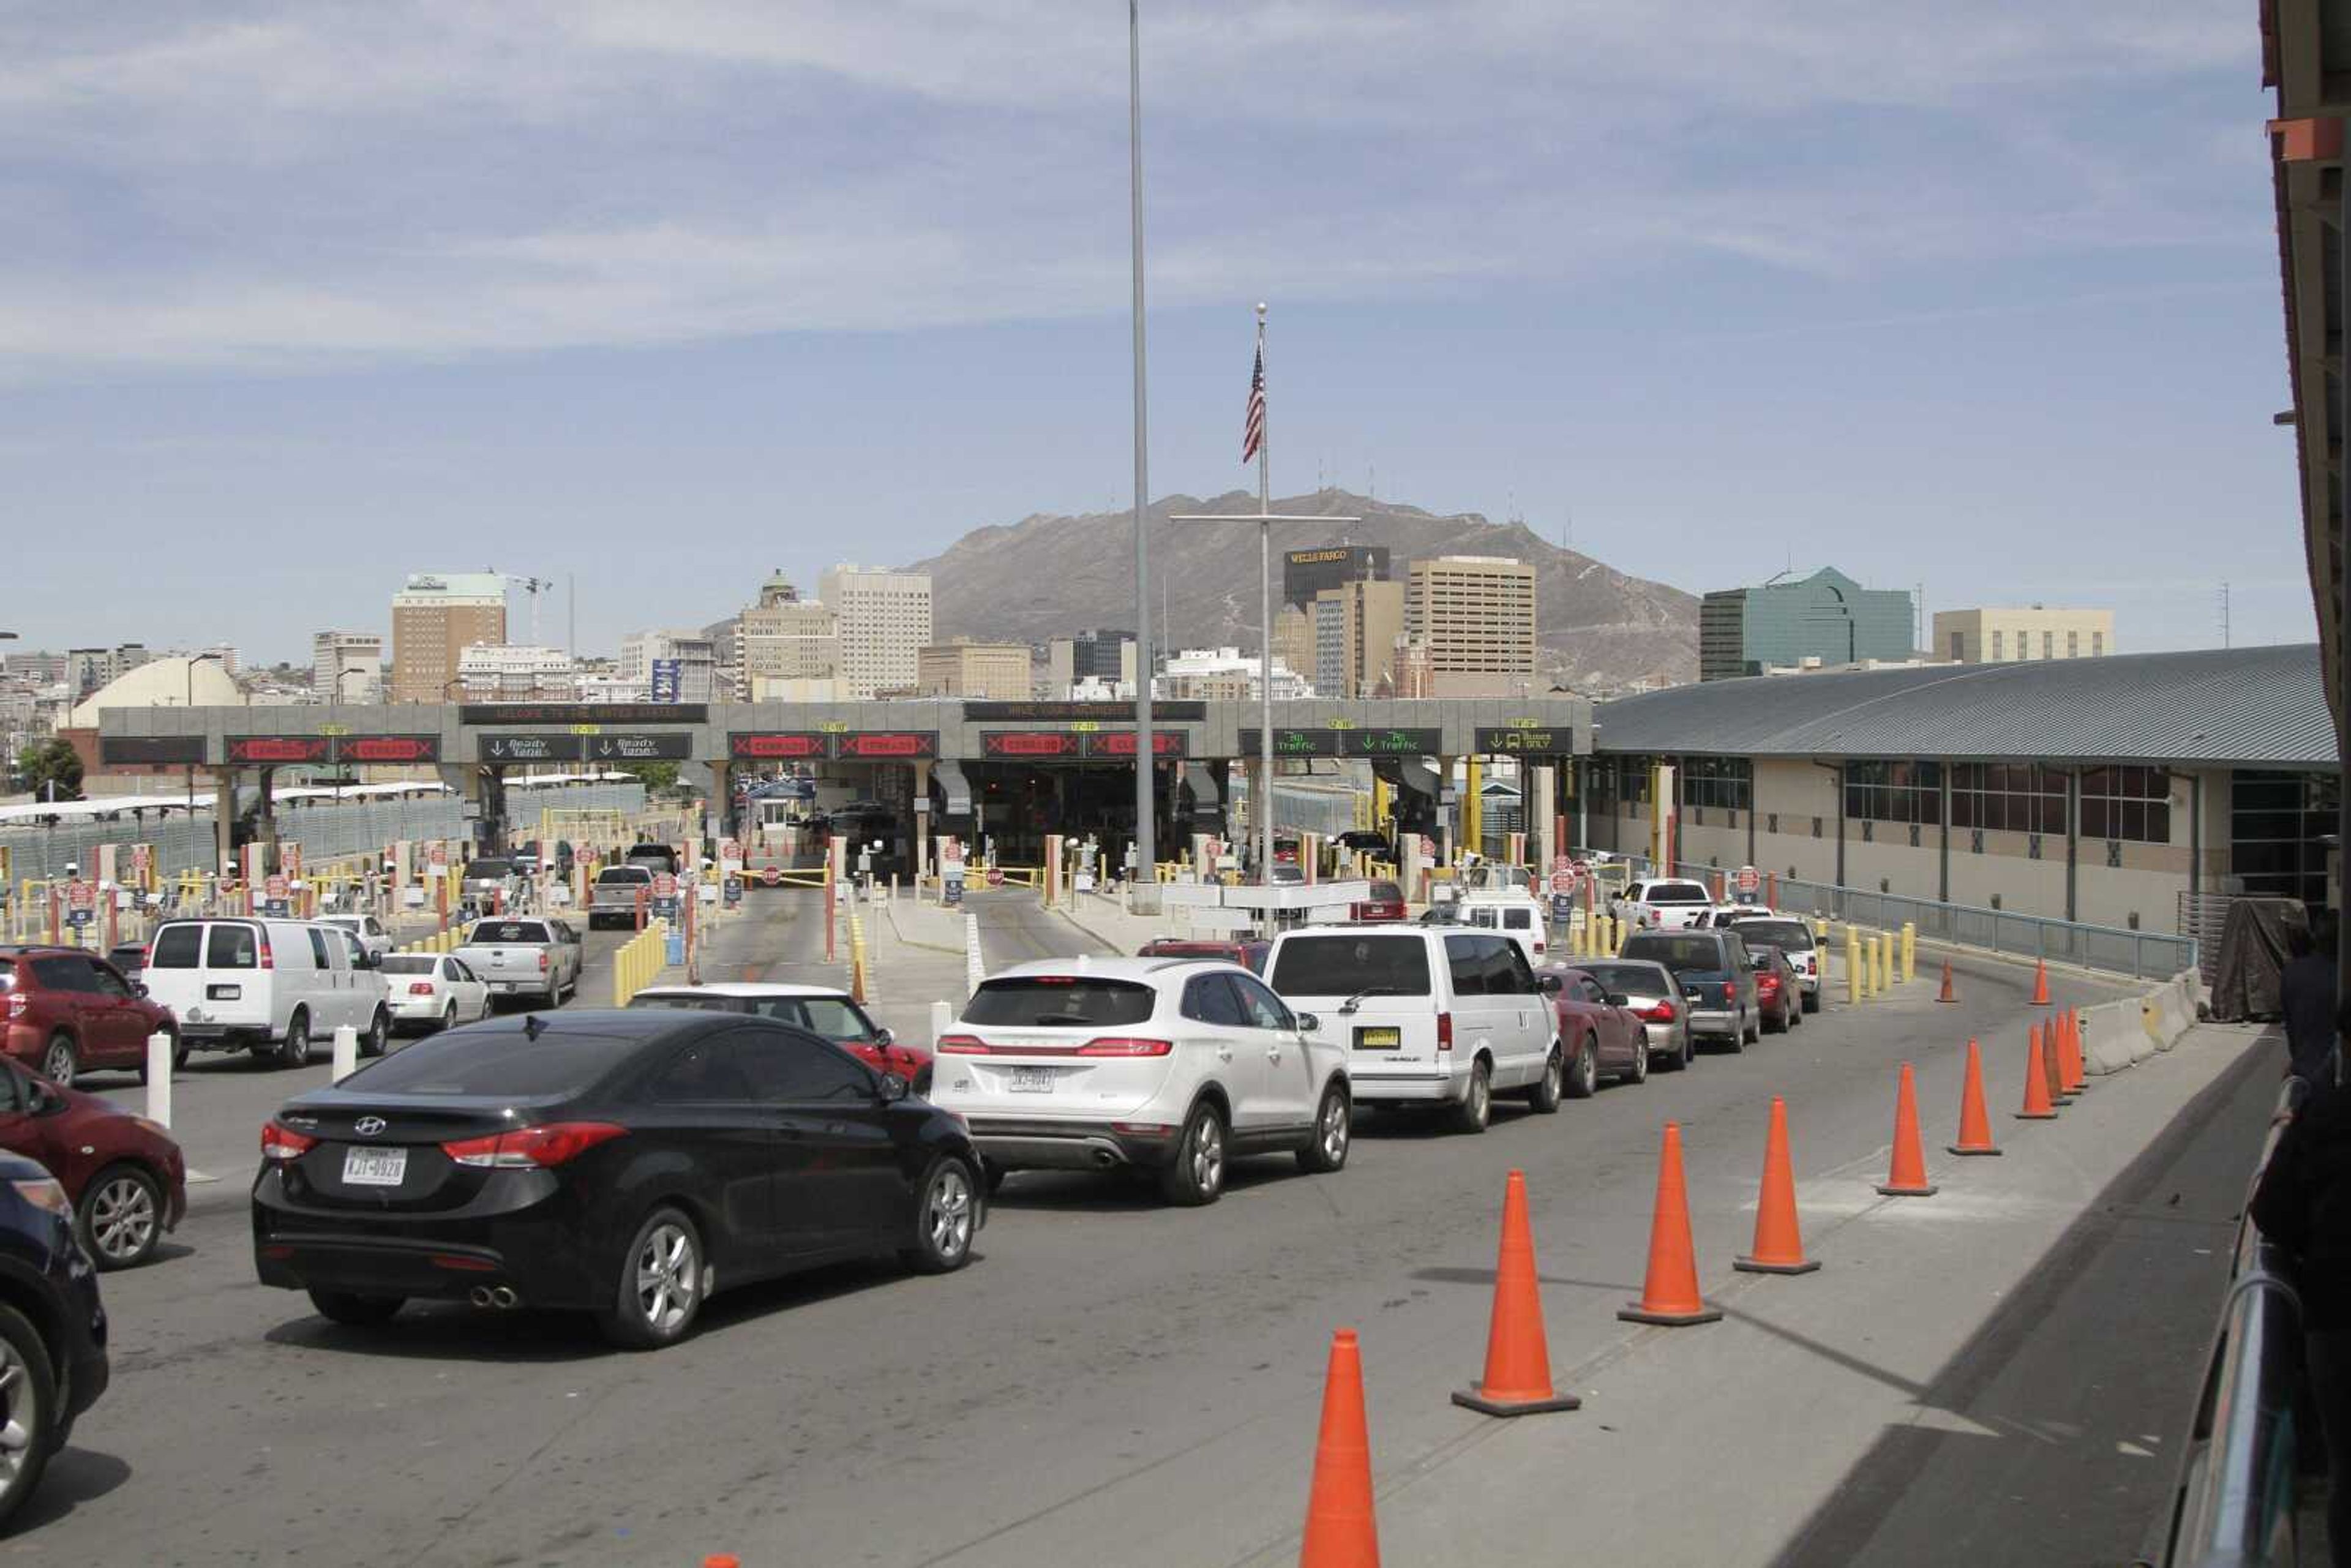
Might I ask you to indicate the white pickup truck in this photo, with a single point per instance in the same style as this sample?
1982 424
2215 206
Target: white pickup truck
1666 904
524 956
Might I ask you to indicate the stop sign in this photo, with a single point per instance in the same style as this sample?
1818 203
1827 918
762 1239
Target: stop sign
772 876
275 887
1562 880
665 885
995 877
1749 879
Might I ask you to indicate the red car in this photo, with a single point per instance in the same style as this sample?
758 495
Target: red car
122 1173
68 1011
1779 994
1599 1034
1249 953
1386 902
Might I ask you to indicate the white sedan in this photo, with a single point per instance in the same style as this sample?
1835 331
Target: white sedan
433 990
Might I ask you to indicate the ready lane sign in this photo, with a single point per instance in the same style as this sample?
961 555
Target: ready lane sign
529 747
672 745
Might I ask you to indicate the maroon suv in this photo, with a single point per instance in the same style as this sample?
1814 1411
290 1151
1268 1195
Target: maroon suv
122 1173
67 1011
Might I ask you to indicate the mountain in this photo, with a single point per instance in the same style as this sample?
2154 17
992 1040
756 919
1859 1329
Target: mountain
1045 576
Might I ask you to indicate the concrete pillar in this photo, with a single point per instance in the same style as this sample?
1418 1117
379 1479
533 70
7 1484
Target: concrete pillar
1409 869
265 819
224 816
1473 806
1444 817
1541 784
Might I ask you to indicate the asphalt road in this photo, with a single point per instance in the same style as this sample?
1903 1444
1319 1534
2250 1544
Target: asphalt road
1111 1382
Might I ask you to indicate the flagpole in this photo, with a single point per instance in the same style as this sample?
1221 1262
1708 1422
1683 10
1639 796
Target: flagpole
1143 891
1265 613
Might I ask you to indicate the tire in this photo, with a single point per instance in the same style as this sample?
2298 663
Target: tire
1639 1072
1796 1014
295 1052
1584 1072
945 1221
181 1052
120 1217
353 1310
379 1031
1195 1178
1550 1087
1774 1023
922 1084
1812 1002
28 1403
1334 1133
1755 1030
1477 1107
60 1060
658 1292
449 1015
993 1176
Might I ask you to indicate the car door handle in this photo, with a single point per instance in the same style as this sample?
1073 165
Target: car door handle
1224 1054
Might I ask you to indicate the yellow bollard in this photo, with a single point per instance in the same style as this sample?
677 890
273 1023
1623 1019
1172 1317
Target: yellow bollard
1853 975
1909 949
1886 974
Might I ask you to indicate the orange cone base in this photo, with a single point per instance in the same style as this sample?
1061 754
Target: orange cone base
1470 1399
2034 1115
1929 1190
1632 1313
1963 1149
1757 1266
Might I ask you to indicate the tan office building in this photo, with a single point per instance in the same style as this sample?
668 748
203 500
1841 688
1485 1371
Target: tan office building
969 669
788 640
885 622
1356 626
1475 614
434 619
2008 636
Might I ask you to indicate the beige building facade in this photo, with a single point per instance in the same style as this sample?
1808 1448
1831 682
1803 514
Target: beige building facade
886 623
435 617
2036 631
997 671
1356 626
1474 614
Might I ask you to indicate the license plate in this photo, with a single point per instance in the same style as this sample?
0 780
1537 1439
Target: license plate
509 985
374 1167
1032 1081
1379 1039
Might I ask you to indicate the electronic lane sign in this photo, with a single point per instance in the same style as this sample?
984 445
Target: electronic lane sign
249 749
387 749
529 747
1369 741
1030 743
175 750
778 745
886 744
664 746
1525 739
1121 743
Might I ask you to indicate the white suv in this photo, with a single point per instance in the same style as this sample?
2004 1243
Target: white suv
1434 1015
1666 904
1170 1064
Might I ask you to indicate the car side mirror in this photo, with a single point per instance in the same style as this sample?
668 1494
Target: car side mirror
1618 1000
1307 1023
892 1089
43 1099
882 1035
138 988
1549 985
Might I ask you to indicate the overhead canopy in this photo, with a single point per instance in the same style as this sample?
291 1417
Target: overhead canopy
1206 789
947 778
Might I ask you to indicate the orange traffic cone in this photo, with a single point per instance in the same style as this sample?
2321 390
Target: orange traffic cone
1908 1177
1948 995
2051 1071
2071 1075
1340 1532
2041 983
2039 1104
1670 1294
1778 1248
1517 1362
1975 1126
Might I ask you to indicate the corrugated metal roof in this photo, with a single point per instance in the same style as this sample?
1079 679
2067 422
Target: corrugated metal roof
2257 706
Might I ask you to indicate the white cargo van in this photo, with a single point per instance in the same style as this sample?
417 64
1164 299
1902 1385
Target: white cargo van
1434 1015
271 986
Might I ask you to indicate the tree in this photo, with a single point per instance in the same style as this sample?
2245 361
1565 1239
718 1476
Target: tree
653 776
50 761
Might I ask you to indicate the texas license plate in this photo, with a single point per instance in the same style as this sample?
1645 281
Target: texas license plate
1032 1081
374 1167
1379 1039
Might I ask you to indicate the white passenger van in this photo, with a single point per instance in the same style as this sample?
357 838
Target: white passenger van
271 986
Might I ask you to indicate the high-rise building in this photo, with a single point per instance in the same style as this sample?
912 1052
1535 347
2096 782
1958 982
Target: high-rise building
1475 615
2007 636
1826 617
786 638
499 672
964 668
1355 628
885 622
1307 572
87 669
694 656
346 667
434 619
1102 659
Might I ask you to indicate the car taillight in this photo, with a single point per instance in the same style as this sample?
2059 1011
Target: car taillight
420 988
18 1002
266 961
528 1148
962 1045
284 1143
1445 1031
1662 1013
1122 1045
1729 990
542 961
1767 984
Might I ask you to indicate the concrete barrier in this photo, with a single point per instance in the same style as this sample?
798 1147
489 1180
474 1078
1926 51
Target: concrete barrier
2114 1035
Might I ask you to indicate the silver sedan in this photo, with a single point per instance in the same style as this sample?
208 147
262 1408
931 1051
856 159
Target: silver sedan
1651 994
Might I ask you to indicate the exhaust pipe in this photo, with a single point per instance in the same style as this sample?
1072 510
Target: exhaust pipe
504 1299
1104 1160
479 1296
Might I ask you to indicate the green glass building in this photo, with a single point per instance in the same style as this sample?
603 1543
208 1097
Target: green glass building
1826 616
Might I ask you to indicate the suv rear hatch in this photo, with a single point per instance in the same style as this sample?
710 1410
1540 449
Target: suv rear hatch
1697 964
1371 993
1042 1047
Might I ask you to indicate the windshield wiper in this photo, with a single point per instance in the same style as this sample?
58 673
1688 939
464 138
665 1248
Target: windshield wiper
1349 1005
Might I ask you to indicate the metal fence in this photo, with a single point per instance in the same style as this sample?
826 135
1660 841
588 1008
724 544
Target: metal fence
2143 955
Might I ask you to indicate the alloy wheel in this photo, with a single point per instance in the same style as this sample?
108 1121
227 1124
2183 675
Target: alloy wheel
947 1213
57 1063
1334 1130
20 1414
669 1275
1207 1154
123 1218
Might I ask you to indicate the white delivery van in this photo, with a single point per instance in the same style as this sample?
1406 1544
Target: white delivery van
271 986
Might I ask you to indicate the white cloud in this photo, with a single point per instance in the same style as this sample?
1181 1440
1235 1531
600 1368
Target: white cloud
281 185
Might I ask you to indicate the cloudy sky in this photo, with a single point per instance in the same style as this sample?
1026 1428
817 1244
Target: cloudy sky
299 297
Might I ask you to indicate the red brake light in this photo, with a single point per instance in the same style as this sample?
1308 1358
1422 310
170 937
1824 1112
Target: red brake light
962 1045
284 1143
266 961
542 961
420 988
1729 990
1445 1031
528 1148
1662 1013
1121 1045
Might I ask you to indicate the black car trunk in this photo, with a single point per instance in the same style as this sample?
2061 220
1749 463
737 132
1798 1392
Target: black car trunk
388 1154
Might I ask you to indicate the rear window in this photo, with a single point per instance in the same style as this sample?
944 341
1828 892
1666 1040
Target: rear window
497 1059
1345 965
1387 892
176 948
233 947
482 870
1679 954
1783 934
408 963
1679 893
1624 978
619 874
1058 1001
522 930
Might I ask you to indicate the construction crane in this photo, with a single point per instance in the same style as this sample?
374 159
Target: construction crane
530 585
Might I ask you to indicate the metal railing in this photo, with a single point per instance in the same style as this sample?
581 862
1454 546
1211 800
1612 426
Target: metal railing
2142 955
2238 1496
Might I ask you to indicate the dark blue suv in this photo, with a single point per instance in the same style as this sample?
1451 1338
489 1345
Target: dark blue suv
53 1361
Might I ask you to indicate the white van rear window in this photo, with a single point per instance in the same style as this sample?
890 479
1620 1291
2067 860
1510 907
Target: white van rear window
176 948
233 947
1346 966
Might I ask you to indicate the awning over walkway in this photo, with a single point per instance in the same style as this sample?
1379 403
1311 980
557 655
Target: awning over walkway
947 778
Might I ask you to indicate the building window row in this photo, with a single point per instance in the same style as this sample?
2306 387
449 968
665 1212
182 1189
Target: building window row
2128 803
1726 782
1894 791
2008 797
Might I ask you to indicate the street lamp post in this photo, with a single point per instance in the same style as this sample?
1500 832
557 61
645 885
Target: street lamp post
193 659
1142 889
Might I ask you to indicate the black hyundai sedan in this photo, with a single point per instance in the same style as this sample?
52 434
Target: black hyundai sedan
622 1163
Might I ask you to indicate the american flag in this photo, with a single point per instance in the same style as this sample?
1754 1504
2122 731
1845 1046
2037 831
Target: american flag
1253 427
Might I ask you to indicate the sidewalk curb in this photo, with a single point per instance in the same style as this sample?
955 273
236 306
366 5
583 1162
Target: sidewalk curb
889 913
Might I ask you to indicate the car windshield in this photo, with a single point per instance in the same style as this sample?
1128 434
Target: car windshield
1625 979
499 1059
408 963
486 871
1679 893
1789 934
1679 954
1351 965
1060 1001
